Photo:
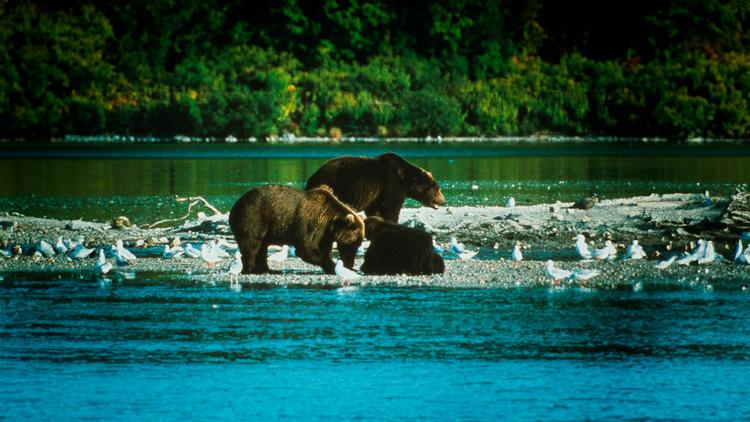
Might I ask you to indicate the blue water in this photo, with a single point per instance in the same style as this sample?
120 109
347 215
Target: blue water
158 347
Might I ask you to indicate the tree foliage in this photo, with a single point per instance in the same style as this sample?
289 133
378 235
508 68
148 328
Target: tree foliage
377 67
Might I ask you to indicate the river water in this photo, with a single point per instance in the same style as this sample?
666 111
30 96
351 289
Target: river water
164 347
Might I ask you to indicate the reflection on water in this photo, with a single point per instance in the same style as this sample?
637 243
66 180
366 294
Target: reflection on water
155 344
98 187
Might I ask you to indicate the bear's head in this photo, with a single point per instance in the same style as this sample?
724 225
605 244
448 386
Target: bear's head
416 182
421 186
349 230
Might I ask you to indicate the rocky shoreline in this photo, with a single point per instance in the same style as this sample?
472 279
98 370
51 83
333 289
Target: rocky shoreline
664 224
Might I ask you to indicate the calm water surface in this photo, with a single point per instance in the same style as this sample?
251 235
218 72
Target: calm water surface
98 182
155 348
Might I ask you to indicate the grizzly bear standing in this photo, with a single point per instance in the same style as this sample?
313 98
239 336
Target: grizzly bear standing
310 221
378 185
397 249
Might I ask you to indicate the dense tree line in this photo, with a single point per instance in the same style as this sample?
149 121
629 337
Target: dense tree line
380 67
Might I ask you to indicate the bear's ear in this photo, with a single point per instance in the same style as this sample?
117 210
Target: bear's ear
325 188
350 219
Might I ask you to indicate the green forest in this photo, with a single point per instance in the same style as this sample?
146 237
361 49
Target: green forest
385 68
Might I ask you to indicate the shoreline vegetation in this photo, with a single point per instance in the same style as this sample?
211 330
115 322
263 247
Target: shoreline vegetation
291 139
383 69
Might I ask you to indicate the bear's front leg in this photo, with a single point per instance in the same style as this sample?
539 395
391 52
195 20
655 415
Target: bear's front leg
348 254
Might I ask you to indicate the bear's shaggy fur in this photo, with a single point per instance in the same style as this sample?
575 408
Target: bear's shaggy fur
397 249
378 185
308 220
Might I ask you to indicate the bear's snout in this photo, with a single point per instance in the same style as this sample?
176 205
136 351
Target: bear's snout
437 200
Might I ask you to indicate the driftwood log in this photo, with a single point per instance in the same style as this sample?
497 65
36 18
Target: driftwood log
737 215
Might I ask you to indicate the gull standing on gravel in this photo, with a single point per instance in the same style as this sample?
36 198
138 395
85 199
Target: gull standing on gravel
208 256
738 252
609 251
666 263
709 254
173 252
345 273
516 255
582 247
60 246
697 254
583 274
459 249
279 256
235 268
191 251
122 254
81 251
102 266
511 202
634 251
217 250
45 249
557 273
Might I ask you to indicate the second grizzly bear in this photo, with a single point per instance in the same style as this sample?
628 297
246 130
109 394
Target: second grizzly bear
378 186
308 220
397 249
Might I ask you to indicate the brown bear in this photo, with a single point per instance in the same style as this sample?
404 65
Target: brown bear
308 220
378 186
397 249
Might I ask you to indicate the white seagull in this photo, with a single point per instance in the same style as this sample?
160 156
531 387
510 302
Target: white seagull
609 251
709 254
279 256
584 274
459 250
516 255
102 266
207 255
634 251
45 249
557 273
582 247
191 251
511 202
122 254
697 254
666 263
173 252
345 273
81 252
738 256
60 246
217 250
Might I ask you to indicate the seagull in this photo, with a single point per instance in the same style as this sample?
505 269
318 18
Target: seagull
45 249
516 254
634 251
217 250
511 202
458 249
738 251
707 198
81 251
102 266
607 252
557 273
664 264
586 203
345 273
582 248
235 269
279 256
60 246
173 252
697 254
207 255
584 274
709 254
191 251
122 254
